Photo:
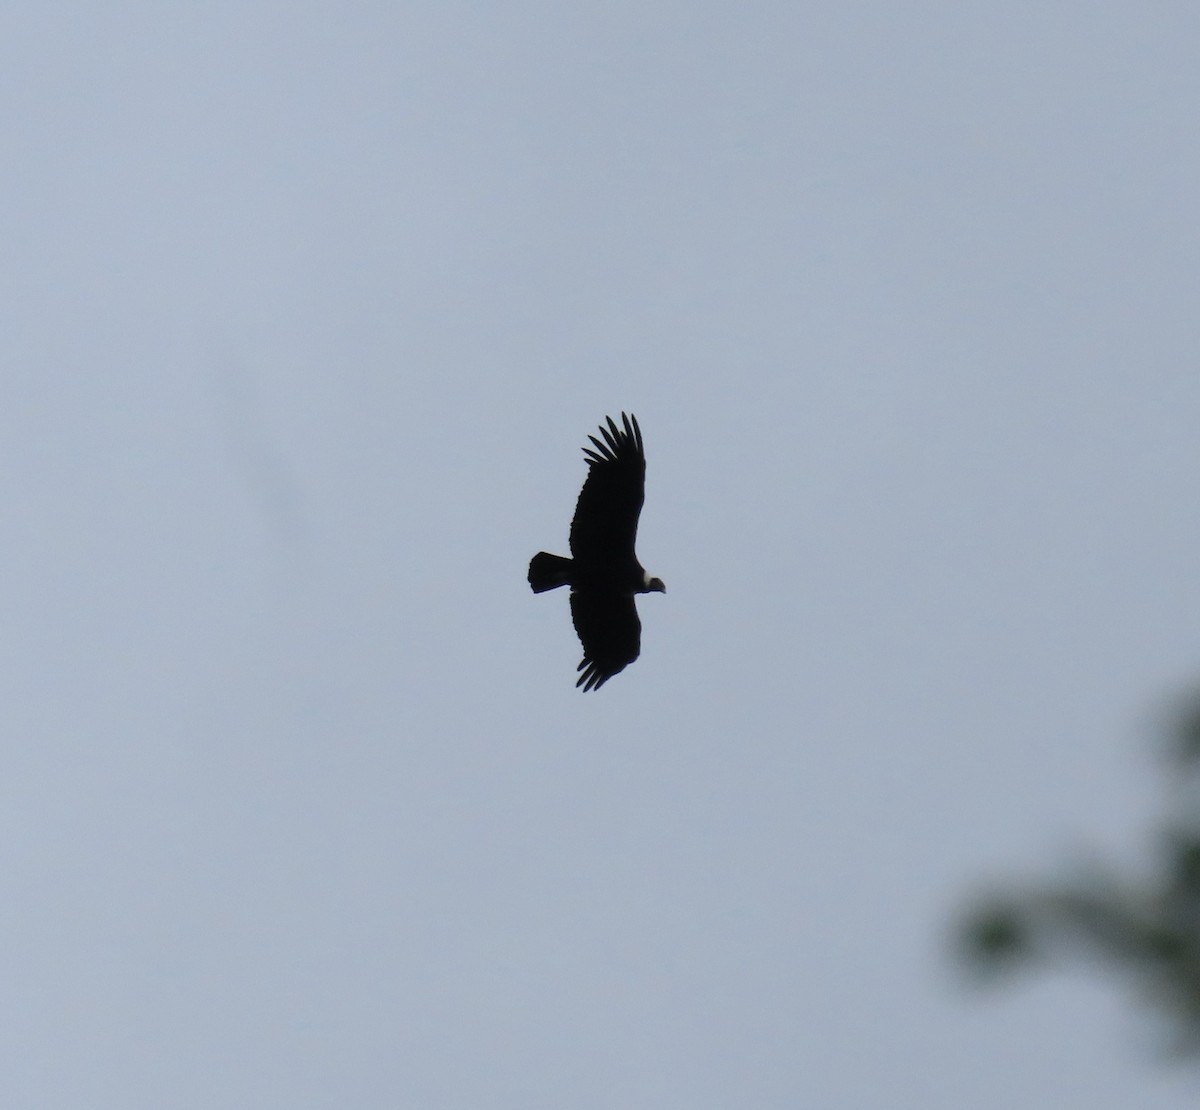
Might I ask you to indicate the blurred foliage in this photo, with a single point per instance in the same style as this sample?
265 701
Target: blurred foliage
1143 928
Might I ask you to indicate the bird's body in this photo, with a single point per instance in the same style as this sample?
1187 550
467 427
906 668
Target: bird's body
604 573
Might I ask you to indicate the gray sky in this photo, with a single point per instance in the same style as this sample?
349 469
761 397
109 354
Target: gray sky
308 310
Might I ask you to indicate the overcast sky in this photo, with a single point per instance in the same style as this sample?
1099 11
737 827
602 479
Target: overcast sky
307 312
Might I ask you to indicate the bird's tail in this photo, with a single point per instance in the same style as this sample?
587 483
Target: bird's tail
547 572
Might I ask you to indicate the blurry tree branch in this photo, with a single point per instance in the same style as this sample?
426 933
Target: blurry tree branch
1145 928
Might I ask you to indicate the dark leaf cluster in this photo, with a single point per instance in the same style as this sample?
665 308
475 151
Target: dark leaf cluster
1143 929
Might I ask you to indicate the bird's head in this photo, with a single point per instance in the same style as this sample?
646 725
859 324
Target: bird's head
655 585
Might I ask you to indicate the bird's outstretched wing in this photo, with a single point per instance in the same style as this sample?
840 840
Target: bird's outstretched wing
610 633
606 515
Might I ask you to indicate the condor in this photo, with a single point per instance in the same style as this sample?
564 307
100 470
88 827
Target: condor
604 573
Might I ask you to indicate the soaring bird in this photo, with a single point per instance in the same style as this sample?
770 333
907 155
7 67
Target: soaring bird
604 573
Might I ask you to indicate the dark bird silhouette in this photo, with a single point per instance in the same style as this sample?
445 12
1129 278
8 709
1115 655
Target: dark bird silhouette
604 572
